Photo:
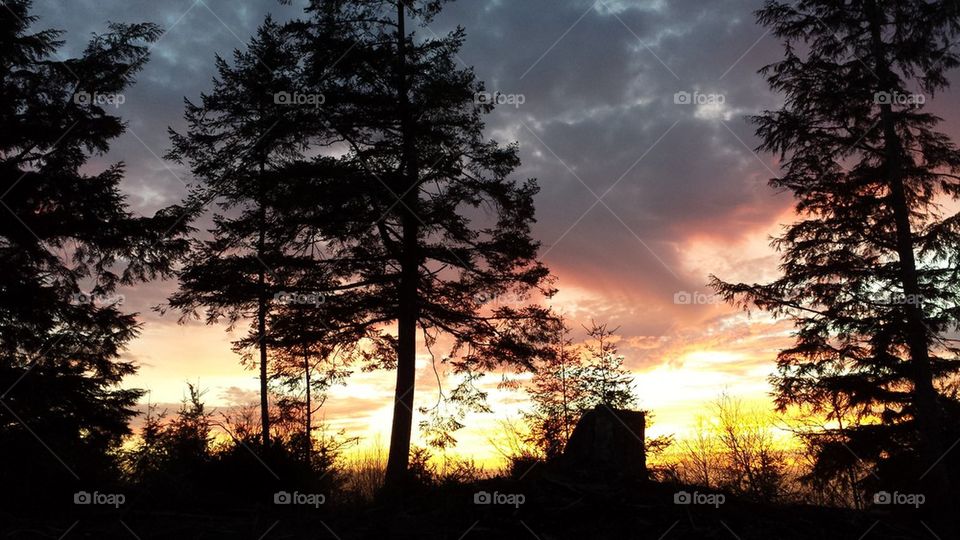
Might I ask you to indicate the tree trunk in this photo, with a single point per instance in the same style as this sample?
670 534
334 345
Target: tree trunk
262 319
927 413
563 388
308 420
407 312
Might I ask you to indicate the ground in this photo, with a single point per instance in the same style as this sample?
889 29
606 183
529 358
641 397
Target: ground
530 509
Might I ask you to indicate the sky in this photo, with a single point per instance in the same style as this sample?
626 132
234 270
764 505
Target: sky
632 115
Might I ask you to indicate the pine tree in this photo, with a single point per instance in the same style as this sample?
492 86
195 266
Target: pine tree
603 379
870 270
239 139
421 216
68 241
305 366
557 393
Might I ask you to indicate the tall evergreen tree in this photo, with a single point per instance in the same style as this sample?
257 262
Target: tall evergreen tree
870 270
67 241
422 218
239 139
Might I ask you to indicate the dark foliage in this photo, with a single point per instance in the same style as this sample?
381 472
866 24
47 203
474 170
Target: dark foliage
870 271
420 218
68 243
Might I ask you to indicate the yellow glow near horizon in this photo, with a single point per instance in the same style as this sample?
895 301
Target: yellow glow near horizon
679 386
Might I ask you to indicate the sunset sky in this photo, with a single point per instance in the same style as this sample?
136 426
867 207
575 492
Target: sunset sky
642 197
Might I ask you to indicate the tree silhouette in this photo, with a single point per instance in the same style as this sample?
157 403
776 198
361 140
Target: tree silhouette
68 242
238 142
869 272
306 364
556 392
423 221
603 379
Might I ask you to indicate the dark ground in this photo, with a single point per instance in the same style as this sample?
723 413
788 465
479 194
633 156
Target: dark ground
551 510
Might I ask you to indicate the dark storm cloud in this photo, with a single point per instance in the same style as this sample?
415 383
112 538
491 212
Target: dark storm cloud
600 120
